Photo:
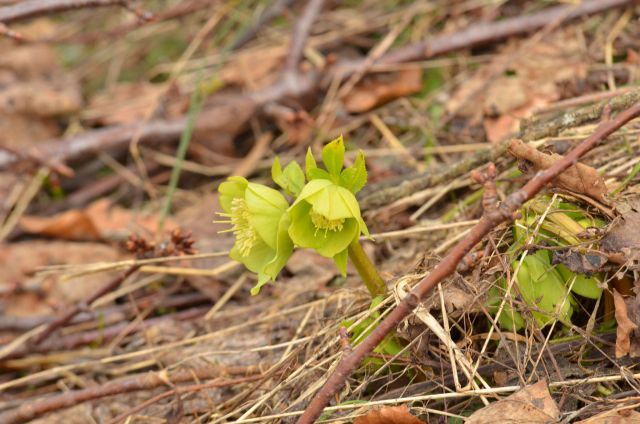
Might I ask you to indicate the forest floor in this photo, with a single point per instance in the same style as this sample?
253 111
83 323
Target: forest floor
119 120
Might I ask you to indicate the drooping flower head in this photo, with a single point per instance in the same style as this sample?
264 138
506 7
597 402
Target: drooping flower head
326 215
259 222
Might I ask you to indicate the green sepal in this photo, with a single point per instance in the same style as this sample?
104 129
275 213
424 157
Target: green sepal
341 262
232 188
291 180
354 177
333 156
266 207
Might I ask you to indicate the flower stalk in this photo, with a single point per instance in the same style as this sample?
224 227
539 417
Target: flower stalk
368 272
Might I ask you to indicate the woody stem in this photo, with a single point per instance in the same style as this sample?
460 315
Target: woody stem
368 272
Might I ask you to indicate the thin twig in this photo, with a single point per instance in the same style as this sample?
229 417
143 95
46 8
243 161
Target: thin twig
75 310
490 219
301 35
32 8
272 12
30 410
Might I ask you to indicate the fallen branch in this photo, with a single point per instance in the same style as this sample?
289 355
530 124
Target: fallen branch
492 217
146 381
228 113
32 8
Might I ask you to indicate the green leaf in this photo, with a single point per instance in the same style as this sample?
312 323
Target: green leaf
543 287
333 156
291 180
354 177
309 164
584 286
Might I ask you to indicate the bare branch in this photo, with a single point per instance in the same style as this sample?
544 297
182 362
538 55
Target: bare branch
32 8
301 34
490 219
30 410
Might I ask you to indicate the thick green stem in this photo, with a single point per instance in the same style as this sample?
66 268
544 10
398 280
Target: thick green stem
375 284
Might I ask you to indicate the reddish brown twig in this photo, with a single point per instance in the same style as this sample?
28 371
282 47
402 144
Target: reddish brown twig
30 410
222 117
506 211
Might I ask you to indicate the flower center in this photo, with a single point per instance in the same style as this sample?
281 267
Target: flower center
246 236
322 223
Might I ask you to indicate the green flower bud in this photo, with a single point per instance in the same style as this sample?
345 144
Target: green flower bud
259 220
326 217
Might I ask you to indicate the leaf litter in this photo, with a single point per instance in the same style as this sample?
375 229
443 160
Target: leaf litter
195 313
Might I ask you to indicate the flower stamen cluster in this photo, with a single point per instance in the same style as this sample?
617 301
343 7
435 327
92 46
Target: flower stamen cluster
322 223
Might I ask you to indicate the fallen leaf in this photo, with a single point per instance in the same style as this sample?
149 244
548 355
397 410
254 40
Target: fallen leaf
579 178
626 327
512 85
533 402
586 263
20 261
389 415
378 89
615 416
623 236
129 102
100 220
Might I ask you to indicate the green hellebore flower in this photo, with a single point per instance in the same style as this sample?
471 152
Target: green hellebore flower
259 219
326 217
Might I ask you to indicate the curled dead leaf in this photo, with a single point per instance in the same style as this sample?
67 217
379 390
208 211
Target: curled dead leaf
533 402
626 327
580 178
389 415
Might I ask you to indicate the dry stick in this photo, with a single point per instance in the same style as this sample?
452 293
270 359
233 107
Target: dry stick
221 119
301 35
146 381
32 8
274 10
62 320
490 219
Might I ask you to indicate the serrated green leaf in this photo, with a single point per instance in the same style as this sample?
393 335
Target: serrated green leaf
333 156
354 177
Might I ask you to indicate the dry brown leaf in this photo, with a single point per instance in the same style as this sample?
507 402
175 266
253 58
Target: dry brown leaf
20 261
533 402
129 102
619 416
580 178
626 326
512 85
389 415
255 68
623 235
98 221
377 89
